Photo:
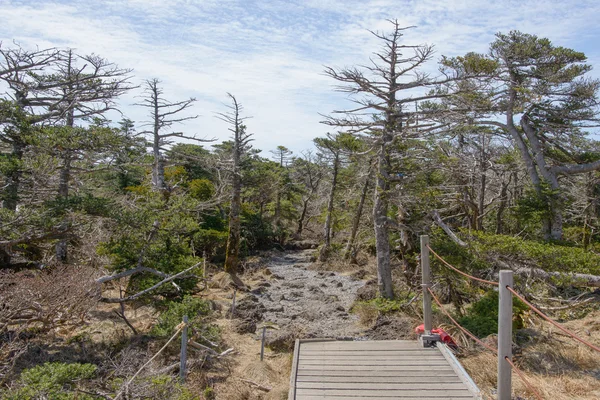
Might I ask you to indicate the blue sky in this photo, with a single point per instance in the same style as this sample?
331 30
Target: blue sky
270 54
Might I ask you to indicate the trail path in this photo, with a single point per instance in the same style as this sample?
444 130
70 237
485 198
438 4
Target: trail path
318 302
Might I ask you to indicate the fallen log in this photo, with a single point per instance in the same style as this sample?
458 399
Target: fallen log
576 279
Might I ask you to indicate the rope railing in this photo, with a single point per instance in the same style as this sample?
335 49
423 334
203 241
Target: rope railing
535 309
522 376
464 330
488 347
556 324
458 270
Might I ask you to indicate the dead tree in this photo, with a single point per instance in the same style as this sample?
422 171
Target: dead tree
385 91
241 145
20 71
163 114
310 172
332 149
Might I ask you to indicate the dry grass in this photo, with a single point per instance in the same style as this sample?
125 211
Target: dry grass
367 313
558 367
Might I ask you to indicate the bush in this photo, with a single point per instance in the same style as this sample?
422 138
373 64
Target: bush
53 381
549 256
482 317
194 308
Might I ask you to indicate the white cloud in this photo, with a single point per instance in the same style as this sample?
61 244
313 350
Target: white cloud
270 54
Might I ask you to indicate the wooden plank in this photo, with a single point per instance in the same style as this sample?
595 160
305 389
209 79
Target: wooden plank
374 345
372 372
430 386
445 368
294 373
425 378
370 351
375 363
382 356
441 394
458 368
376 397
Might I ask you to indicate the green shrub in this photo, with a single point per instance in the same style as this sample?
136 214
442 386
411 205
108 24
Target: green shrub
549 256
194 308
53 381
482 317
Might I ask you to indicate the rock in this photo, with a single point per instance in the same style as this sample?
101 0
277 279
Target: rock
392 328
264 285
276 309
297 294
249 308
276 276
244 326
367 292
339 284
340 308
283 340
359 275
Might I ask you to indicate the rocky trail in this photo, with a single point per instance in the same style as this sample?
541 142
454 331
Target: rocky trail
300 301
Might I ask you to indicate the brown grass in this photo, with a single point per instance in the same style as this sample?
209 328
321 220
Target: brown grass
558 367
367 313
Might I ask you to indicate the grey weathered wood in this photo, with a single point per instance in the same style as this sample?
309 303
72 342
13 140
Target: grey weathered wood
262 343
292 391
505 336
183 356
460 371
374 370
425 284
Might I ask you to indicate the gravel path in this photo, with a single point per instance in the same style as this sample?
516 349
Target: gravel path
318 302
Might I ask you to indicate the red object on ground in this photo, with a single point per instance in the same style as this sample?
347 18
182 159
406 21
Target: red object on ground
444 337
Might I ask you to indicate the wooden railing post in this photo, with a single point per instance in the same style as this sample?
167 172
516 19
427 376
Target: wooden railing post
183 355
505 336
426 284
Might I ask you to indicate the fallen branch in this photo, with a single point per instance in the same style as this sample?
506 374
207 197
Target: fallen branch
143 292
135 270
438 220
258 386
576 279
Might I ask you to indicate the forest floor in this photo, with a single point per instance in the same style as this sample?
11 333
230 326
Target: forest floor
297 298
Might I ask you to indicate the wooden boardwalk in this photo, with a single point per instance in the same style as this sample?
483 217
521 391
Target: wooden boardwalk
386 369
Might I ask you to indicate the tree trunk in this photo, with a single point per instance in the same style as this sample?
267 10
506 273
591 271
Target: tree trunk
302 216
350 251
233 239
380 211
502 207
63 195
13 178
158 170
327 229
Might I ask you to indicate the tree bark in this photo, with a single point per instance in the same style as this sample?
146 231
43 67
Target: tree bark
61 249
350 252
13 178
380 218
302 216
327 228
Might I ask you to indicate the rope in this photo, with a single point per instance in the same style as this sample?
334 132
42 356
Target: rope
556 324
179 329
522 376
476 339
459 271
466 331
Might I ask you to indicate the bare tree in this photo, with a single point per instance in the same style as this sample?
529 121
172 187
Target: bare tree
241 144
383 114
309 171
164 114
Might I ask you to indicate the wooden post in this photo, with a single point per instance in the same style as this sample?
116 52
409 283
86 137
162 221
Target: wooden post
426 284
233 303
505 336
262 344
183 356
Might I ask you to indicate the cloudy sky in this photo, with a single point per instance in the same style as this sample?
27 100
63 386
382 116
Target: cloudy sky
271 54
